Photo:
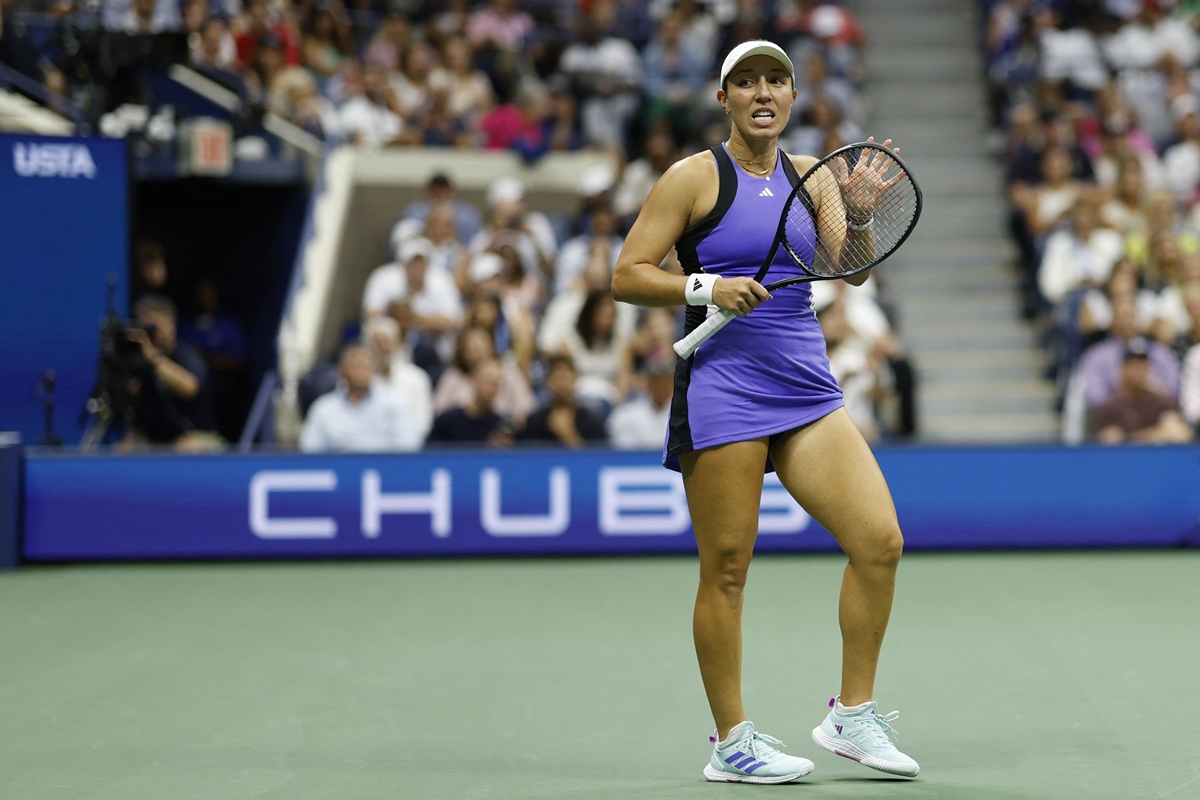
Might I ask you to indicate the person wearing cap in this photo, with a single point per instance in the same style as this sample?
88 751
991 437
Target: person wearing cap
1099 369
425 302
1139 412
759 396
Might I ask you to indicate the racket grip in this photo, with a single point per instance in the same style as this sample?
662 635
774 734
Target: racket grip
702 333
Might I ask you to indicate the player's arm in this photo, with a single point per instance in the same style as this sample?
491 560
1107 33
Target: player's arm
672 206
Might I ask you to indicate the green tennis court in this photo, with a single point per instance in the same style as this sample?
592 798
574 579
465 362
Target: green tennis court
1059 675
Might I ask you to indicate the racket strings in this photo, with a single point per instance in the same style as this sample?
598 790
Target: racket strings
843 250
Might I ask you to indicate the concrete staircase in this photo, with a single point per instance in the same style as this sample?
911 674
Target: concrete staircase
952 283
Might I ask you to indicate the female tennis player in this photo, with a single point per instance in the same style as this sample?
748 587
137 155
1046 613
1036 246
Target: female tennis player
759 396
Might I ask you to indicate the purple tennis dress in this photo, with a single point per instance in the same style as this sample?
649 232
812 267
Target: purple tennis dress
764 373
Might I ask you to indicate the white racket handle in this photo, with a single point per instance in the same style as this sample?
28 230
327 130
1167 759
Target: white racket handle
702 333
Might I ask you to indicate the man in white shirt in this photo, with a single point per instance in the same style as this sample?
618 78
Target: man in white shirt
425 302
382 336
361 415
365 119
640 423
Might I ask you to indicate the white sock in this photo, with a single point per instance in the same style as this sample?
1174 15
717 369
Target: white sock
851 710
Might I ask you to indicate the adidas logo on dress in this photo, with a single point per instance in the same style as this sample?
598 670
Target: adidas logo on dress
766 192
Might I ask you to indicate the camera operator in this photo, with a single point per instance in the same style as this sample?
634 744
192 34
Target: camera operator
169 386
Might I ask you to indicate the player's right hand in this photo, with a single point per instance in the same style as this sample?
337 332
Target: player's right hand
739 296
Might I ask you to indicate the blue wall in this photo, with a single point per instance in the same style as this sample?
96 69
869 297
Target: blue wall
64 207
558 502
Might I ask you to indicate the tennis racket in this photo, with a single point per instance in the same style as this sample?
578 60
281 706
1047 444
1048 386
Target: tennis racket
881 201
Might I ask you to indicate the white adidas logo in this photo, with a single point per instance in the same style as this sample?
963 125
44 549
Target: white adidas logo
766 192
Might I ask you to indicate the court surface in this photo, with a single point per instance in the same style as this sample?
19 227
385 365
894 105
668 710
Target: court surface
1060 675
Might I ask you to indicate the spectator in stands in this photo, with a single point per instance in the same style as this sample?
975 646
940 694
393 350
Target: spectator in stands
145 16
389 40
150 269
510 222
259 22
19 53
1120 140
448 255
514 398
361 415
1046 129
214 54
297 100
427 304
469 90
1181 161
851 362
1189 388
384 339
171 399
410 88
675 76
510 325
562 419
598 347
500 33
1100 364
1126 211
1175 317
1139 411
605 72
326 41
365 118
478 420
221 341
659 152
821 128
603 242
817 82
640 423
440 190
559 329
1079 257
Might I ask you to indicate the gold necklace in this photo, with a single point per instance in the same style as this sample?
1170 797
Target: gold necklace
744 162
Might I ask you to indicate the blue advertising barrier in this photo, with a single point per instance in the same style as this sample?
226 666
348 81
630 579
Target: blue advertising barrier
541 502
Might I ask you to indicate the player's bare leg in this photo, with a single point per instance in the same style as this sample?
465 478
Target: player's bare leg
830 470
724 486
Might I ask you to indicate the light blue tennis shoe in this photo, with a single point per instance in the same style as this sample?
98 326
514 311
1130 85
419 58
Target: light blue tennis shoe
862 734
747 756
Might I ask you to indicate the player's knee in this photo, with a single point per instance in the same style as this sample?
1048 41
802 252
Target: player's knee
888 547
882 548
727 571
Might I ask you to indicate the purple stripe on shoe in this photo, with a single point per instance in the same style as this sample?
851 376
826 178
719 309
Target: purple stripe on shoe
749 770
748 760
735 757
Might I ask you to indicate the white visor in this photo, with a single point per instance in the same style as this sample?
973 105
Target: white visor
756 47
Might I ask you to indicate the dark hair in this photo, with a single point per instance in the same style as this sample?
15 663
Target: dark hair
585 324
559 359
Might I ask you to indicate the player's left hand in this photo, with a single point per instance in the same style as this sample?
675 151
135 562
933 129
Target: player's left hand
866 182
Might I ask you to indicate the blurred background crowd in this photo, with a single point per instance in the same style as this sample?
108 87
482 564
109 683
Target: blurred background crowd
1098 106
489 322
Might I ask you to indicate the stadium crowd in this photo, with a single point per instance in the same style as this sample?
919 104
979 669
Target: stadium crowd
495 323
1099 104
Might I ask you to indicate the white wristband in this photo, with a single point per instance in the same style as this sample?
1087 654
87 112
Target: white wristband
850 224
699 289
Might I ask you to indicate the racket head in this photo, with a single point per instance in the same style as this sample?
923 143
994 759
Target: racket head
861 175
